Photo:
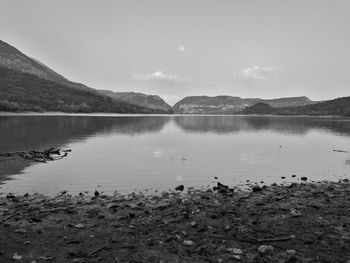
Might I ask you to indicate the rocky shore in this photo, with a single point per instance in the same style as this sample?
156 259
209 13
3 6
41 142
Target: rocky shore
307 222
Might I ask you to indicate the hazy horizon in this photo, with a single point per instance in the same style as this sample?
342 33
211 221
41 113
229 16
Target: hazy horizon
266 49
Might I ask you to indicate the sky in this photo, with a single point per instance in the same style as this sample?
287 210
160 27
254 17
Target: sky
178 48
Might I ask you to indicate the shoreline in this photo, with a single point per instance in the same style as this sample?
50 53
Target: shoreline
306 222
106 114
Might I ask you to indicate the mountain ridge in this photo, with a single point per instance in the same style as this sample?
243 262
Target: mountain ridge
231 104
13 59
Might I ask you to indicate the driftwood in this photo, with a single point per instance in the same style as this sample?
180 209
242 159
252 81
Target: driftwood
51 154
340 151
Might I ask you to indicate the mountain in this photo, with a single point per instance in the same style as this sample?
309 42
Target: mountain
26 92
231 105
153 102
12 58
336 107
26 84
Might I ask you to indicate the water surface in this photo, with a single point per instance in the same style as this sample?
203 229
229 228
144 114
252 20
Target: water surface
128 153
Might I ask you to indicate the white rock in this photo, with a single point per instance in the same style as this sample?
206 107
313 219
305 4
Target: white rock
237 257
80 225
236 251
291 252
188 243
266 249
17 257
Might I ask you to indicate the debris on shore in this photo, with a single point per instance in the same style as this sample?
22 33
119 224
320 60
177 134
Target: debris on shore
307 222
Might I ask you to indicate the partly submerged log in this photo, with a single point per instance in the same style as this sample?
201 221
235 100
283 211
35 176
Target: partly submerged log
51 154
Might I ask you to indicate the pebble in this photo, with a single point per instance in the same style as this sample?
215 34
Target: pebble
304 178
256 188
265 249
237 257
21 230
79 226
236 251
26 243
17 257
291 252
193 223
180 187
188 243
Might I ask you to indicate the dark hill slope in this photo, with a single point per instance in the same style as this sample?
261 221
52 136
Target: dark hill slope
336 107
26 92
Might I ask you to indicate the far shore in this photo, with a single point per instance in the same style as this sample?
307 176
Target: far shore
306 222
102 114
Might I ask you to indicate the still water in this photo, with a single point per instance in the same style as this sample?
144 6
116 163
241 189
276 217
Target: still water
132 153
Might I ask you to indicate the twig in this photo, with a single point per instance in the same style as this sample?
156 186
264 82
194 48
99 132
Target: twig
96 250
340 151
274 239
91 253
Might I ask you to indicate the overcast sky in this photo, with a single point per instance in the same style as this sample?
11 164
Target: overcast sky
262 48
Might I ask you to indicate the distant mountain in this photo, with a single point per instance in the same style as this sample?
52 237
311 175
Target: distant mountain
153 102
336 107
231 105
26 84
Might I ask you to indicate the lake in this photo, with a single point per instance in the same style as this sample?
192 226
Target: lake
132 153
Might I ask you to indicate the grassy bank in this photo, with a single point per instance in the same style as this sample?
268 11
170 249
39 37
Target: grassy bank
297 223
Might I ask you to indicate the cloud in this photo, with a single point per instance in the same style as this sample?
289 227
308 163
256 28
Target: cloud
258 72
158 75
182 48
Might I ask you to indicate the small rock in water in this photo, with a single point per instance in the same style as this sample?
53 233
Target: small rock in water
180 187
256 188
283 177
97 193
304 178
79 226
17 257
293 175
215 177
188 243
26 243
266 249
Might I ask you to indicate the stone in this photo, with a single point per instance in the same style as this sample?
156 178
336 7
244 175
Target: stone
303 178
21 230
266 249
79 226
236 257
188 243
17 257
256 188
180 187
193 223
291 252
236 251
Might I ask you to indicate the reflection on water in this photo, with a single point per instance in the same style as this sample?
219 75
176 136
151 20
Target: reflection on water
230 124
128 152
